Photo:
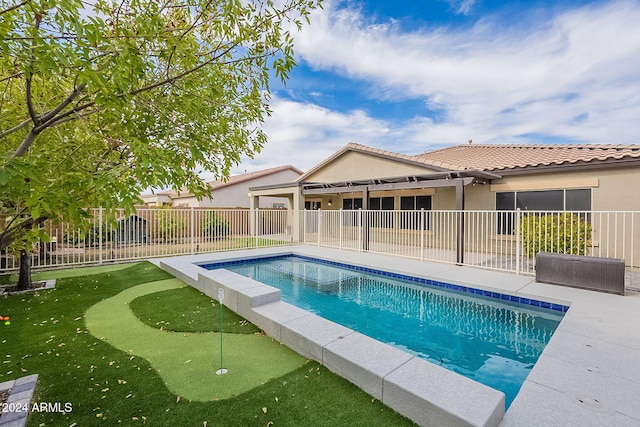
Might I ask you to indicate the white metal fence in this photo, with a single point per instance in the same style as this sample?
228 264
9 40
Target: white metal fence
156 232
499 240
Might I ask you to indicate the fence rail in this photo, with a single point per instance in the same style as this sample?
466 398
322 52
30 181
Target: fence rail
499 240
150 233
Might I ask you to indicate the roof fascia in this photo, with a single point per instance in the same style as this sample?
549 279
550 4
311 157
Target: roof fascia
578 166
276 186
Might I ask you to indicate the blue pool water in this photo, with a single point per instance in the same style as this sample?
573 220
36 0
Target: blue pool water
486 338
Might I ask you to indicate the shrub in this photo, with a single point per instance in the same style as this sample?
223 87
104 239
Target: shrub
169 224
215 226
562 233
75 236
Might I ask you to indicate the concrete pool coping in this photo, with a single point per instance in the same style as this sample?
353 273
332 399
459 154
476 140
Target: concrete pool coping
586 376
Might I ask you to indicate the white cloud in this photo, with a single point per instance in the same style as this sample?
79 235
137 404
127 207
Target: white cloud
303 134
462 7
573 75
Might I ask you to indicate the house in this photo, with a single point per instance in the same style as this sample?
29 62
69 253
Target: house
232 193
471 177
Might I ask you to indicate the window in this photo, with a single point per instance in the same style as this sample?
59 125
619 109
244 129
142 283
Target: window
351 218
549 200
278 206
354 204
578 200
384 220
413 220
313 206
381 204
505 202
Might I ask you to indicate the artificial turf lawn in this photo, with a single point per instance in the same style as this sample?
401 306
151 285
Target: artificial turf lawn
107 386
187 362
190 313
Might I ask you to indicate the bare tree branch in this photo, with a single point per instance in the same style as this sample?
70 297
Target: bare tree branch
32 111
12 76
73 95
15 128
25 144
14 7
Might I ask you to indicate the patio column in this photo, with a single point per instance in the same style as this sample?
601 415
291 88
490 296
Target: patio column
296 204
254 204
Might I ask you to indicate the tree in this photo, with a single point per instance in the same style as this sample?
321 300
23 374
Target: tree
100 100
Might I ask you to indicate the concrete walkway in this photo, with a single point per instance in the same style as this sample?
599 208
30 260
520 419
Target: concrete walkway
587 374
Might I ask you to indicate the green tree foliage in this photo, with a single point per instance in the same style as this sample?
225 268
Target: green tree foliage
101 100
562 233
100 104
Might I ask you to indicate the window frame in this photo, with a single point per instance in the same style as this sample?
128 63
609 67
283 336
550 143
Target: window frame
505 223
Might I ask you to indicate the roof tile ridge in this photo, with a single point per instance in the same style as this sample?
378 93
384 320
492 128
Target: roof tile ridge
424 153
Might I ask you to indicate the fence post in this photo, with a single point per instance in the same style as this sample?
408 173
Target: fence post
319 225
257 230
193 231
304 226
100 235
423 230
360 230
517 230
340 226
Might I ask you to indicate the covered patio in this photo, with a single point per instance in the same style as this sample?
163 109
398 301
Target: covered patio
301 194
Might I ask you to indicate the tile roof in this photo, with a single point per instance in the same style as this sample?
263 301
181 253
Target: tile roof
233 180
491 157
236 179
496 157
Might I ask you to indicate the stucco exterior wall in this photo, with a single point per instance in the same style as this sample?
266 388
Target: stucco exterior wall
192 202
237 195
618 190
612 189
354 166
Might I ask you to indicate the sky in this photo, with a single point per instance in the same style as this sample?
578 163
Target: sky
410 76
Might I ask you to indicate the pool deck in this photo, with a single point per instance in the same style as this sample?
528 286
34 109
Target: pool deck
588 374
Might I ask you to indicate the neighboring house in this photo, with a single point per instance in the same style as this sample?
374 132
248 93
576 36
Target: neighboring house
233 193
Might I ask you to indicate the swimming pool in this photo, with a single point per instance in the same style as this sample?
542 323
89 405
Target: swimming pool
482 335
